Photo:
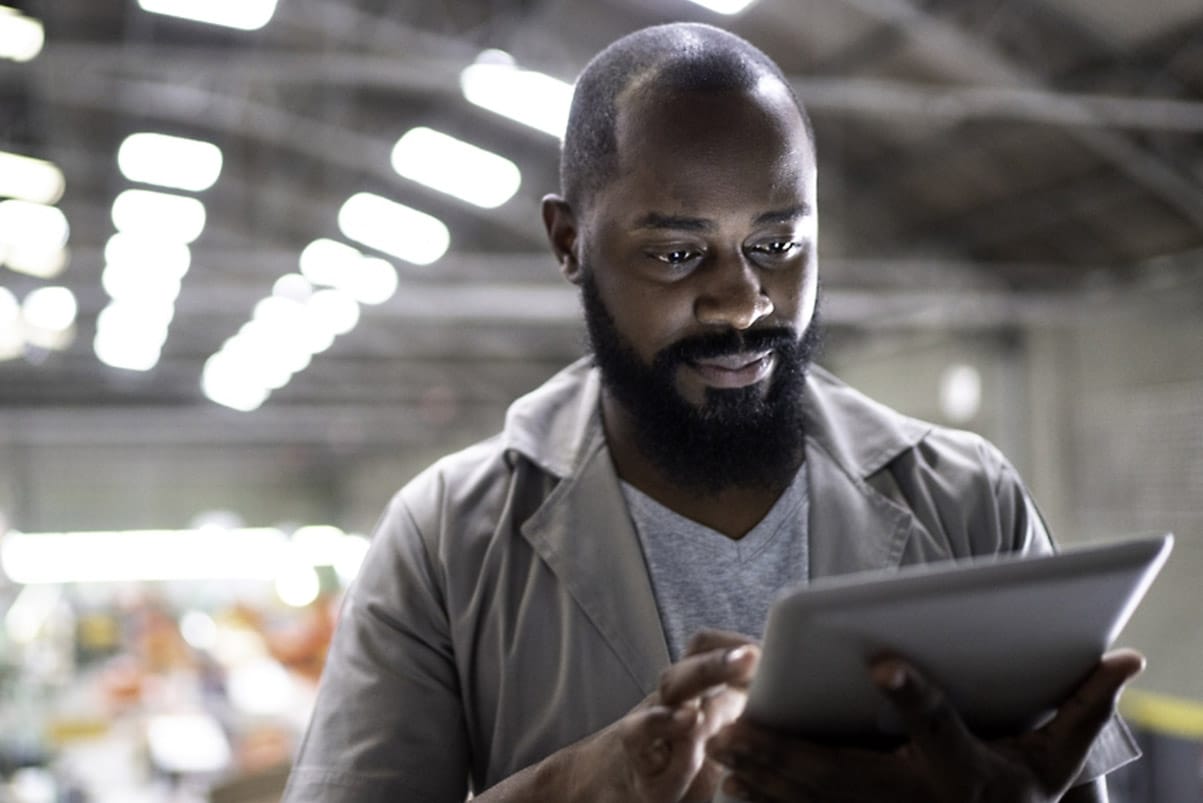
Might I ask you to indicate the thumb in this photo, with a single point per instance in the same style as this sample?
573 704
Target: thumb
1080 719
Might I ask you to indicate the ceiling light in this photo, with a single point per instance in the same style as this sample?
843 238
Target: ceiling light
40 261
369 280
532 98
225 382
30 179
394 228
21 37
147 254
327 262
50 308
292 286
455 167
333 310
159 215
247 15
252 553
127 281
176 162
33 226
724 6
131 335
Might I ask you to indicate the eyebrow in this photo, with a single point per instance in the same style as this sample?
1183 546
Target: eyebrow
657 220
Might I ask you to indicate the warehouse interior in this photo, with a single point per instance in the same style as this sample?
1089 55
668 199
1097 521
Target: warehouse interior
1011 242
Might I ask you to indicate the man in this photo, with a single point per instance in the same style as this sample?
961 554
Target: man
522 625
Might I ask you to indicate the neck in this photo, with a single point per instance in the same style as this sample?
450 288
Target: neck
732 510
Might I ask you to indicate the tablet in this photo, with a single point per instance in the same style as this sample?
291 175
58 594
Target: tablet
1008 638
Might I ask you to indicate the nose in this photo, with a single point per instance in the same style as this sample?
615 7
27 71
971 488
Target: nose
732 295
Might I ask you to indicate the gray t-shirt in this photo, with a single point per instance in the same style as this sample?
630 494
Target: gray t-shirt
702 578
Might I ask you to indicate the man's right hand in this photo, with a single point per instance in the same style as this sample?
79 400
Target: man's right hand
656 753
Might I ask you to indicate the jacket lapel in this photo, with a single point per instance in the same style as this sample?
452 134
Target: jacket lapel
585 535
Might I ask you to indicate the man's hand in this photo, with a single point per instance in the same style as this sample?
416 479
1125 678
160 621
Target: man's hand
942 763
656 753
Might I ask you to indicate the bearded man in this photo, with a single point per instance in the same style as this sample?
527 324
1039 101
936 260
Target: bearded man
569 610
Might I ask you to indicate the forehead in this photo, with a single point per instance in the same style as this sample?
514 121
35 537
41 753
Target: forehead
712 151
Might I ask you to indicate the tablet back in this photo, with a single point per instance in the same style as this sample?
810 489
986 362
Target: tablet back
1008 639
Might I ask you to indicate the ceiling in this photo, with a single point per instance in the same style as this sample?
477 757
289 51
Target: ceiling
983 163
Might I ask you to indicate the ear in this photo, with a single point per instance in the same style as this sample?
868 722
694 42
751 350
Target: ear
563 234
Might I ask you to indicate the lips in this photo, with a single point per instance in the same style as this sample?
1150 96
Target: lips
735 370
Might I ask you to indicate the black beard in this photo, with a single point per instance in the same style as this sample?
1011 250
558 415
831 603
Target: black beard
738 437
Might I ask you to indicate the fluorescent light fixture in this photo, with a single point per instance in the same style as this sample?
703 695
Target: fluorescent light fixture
333 310
147 254
532 98
224 381
251 553
328 262
394 228
27 225
727 7
292 286
29 179
21 37
174 162
369 280
159 215
44 262
128 282
130 335
50 308
246 15
455 167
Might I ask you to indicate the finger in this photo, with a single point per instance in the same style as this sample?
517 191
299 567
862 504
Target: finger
709 639
931 722
708 672
1080 719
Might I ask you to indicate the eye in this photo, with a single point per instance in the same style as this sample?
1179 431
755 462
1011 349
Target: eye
677 256
776 247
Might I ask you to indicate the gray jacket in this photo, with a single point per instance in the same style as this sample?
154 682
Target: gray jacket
504 610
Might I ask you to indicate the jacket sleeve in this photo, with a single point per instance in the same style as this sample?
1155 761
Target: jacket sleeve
388 724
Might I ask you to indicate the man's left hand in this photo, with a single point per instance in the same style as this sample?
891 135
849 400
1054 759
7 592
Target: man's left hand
941 763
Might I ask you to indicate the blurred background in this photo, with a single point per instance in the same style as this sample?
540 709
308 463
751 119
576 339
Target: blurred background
263 260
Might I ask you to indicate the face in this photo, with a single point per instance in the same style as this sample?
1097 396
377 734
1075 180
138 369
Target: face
699 281
708 229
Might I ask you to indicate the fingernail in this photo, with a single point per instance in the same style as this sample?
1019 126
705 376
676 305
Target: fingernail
736 654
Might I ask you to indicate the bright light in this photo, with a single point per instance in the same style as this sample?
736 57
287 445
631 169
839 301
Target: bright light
455 167
44 262
298 584
34 226
394 228
333 310
369 280
176 162
199 630
532 98
30 611
292 286
30 179
150 255
353 550
187 743
252 553
960 392
125 281
50 308
21 37
327 261
159 215
724 6
225 381
130 334
247 15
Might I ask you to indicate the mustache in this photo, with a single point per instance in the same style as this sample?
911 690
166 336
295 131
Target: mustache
727 342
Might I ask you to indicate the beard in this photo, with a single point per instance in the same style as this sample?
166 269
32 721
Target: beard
737 437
